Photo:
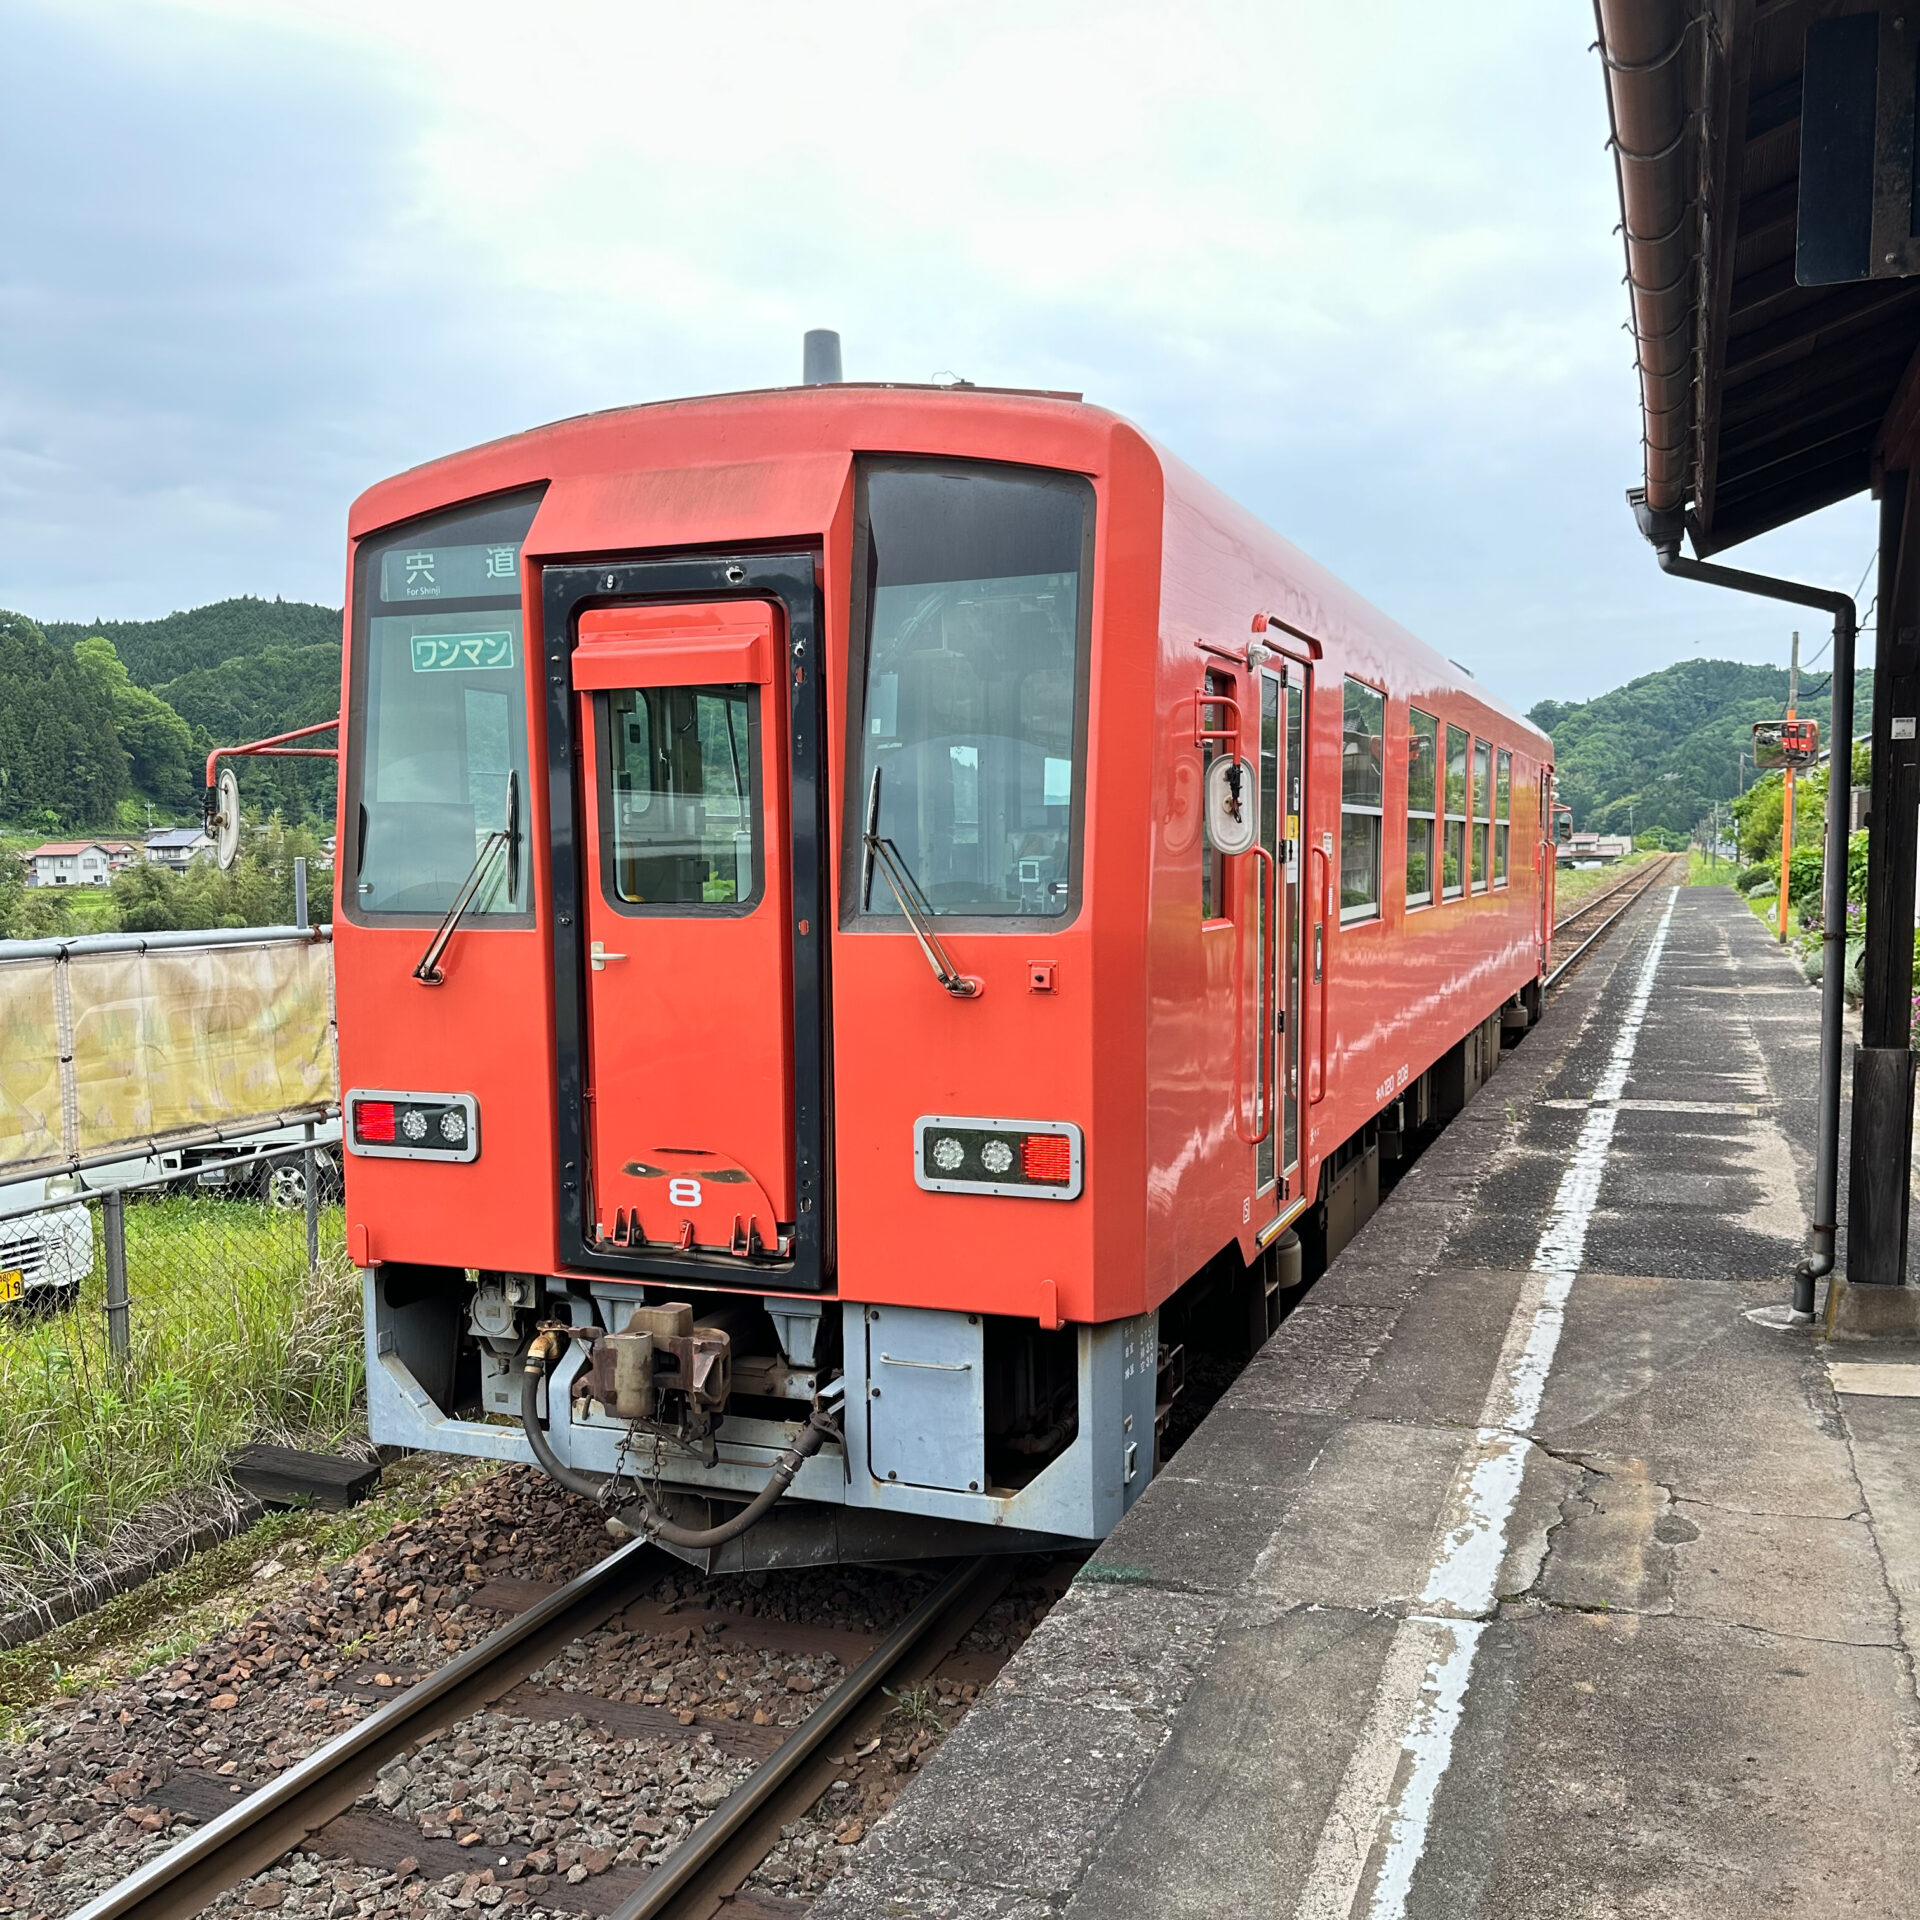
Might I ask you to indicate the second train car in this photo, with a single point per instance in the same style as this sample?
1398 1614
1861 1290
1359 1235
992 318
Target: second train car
870 918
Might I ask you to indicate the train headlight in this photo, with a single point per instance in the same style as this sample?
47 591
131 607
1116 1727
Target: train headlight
1015 1159
412 1126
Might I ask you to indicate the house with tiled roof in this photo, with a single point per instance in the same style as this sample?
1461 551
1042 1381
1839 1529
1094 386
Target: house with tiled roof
70 863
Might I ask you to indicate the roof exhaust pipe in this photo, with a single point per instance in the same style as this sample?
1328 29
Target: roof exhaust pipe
1663 530
820 358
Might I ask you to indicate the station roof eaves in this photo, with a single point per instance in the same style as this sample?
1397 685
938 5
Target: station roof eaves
1761 400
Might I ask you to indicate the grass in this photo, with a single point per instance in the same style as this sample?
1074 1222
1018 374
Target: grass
1572 885
1702 872
232 1338
914 1706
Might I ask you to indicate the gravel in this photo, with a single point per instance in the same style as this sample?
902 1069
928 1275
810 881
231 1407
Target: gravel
554 1801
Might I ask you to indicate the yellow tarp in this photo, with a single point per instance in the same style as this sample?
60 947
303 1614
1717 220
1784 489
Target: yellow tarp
29 1064
171 1041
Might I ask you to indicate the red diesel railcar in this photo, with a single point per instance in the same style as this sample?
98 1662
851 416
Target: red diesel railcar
867 916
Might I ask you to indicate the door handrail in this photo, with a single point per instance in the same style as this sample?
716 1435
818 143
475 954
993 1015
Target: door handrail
1324 905
1263 972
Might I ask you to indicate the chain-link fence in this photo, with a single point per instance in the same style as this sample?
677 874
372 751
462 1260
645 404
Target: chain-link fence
147 1330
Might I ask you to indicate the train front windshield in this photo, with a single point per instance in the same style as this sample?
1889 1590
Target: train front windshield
440 713
972 720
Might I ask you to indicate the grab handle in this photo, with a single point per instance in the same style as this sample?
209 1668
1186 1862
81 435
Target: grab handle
1323 916
1265 1053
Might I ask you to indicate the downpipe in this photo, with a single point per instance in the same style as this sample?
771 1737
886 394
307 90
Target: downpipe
820 1428
1664 530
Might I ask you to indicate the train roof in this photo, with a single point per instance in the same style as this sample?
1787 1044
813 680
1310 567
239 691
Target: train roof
775 463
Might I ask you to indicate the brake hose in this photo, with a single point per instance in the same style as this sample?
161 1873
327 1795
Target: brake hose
810 1439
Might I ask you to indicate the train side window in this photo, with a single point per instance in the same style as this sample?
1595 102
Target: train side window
1362 796
1502 807
1482 809
1453 860
1423 755
1213 866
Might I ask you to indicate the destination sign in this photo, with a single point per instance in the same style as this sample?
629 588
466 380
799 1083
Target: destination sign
451 573
461 652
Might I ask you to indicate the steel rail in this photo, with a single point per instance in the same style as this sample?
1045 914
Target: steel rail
1654 875
712 1861
1586 907
268 1822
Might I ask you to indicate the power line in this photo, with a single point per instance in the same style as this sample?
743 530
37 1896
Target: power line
1857 592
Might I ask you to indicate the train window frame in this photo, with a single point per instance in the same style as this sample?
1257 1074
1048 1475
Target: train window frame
500 519
1502 814
605 807
1480 804
1215 898
1354 788
1417 816
880 913
1454 842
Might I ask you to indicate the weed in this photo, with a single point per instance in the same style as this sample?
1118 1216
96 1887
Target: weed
914 1706
232 1337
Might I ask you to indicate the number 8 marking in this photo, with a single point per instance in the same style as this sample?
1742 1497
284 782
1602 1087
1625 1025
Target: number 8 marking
684 1193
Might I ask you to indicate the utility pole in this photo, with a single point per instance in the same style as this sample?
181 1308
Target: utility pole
1786 791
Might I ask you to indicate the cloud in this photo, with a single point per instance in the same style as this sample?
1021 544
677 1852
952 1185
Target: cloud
1354 264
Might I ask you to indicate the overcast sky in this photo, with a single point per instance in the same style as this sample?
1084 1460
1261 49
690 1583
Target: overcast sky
1356 264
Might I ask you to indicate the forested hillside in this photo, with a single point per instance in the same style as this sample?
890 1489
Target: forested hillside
100 720
160 650
60 758
1668 744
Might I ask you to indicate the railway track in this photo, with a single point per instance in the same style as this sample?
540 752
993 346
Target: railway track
1621 898
311 1806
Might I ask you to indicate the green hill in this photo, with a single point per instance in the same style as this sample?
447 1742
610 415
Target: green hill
100 719
1668 744
233 671
156 651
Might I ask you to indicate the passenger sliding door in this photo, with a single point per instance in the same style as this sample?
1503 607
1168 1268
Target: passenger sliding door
688 1090
684 764
1281 767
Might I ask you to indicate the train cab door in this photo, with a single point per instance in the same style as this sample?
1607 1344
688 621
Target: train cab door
1282 690
684 880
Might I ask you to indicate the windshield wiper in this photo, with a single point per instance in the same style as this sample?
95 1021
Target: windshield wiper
508 837
914 906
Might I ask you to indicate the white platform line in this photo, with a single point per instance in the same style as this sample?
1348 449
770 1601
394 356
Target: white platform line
1376 1831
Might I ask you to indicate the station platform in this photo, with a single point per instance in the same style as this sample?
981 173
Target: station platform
1534 1567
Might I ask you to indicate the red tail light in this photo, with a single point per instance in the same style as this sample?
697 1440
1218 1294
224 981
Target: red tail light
373 1120
1047 1156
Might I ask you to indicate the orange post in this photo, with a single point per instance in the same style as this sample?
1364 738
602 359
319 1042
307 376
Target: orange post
1786 845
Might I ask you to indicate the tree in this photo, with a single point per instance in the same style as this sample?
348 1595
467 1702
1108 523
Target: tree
1669 744
257 891
157 743
28 913
59 753
145 899
1757 814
